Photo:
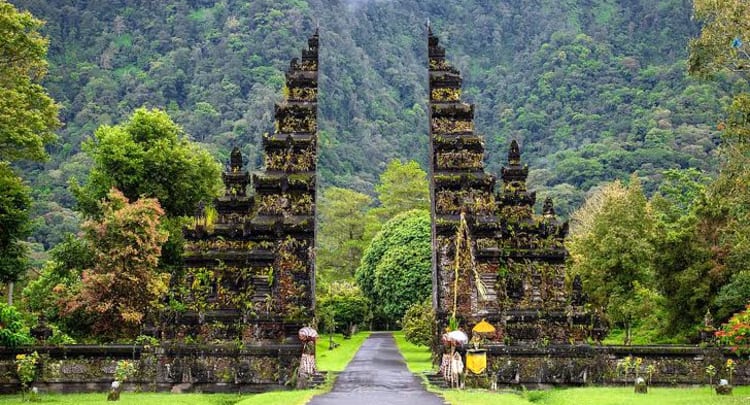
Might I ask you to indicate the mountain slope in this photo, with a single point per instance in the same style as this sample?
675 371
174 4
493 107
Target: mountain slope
592 89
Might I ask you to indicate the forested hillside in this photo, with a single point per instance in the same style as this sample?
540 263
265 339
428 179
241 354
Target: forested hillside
593 90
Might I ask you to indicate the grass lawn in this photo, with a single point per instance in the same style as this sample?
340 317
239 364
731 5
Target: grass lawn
418 361
336 360
328 360
127 398
418 358
599 396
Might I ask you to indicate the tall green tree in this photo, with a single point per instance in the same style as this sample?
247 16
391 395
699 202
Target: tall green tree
726 210
682 259
611 249
395 271
724 215
28 119
344 305
402 187
149 156
28 116
14 225
341 236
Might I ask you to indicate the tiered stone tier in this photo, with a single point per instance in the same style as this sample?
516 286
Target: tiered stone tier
494 259
249 269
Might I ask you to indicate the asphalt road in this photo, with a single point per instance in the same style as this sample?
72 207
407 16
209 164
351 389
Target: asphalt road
377 375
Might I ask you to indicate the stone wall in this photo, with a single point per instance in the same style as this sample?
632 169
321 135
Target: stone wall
183 368
567 365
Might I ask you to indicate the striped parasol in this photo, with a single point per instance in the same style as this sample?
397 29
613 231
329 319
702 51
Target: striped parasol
307 334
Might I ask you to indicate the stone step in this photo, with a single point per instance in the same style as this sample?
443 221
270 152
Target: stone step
436 380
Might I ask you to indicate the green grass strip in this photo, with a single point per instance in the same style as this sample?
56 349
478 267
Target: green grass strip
418 358
337 359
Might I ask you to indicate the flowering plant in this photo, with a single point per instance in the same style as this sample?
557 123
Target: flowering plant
26 369
736 332
729 366
124 370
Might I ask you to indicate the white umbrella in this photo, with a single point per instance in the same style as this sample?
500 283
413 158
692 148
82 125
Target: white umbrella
307 334
457 338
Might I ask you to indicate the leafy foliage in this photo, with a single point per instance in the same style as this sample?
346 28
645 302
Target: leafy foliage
28 116
395 271
611 247
14 224
721 45
150 156
26 368
342 231
12 330
124 370
345 304
593 93
402 187
418 323
122 286
62 272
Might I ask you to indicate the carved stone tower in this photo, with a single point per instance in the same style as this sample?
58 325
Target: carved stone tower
493 258
249 262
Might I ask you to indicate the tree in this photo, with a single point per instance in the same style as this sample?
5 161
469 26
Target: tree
14 224
611 248
149 156
722 44
62 272
122 286
342 219
12 331
402 187
28 116
344 302
736 332
395 271
711 253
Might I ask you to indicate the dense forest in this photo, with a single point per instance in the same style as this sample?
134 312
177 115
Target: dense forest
596 92
642 156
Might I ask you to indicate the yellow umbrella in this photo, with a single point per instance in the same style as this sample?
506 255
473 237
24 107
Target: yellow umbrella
483 327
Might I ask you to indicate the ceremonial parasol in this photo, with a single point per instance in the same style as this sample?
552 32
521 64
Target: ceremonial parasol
307 334
457 338
483 327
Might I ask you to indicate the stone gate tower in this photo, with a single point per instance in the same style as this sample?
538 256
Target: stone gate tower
249 271
493 258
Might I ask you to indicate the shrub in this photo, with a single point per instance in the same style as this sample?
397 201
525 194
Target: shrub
12 330
419 323
343 307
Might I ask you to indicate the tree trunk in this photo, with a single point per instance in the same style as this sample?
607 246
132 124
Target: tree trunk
10 293
628 337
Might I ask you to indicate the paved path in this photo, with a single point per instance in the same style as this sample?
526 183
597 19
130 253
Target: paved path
377 375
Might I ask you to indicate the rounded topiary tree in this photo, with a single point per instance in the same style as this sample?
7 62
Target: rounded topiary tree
395 269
